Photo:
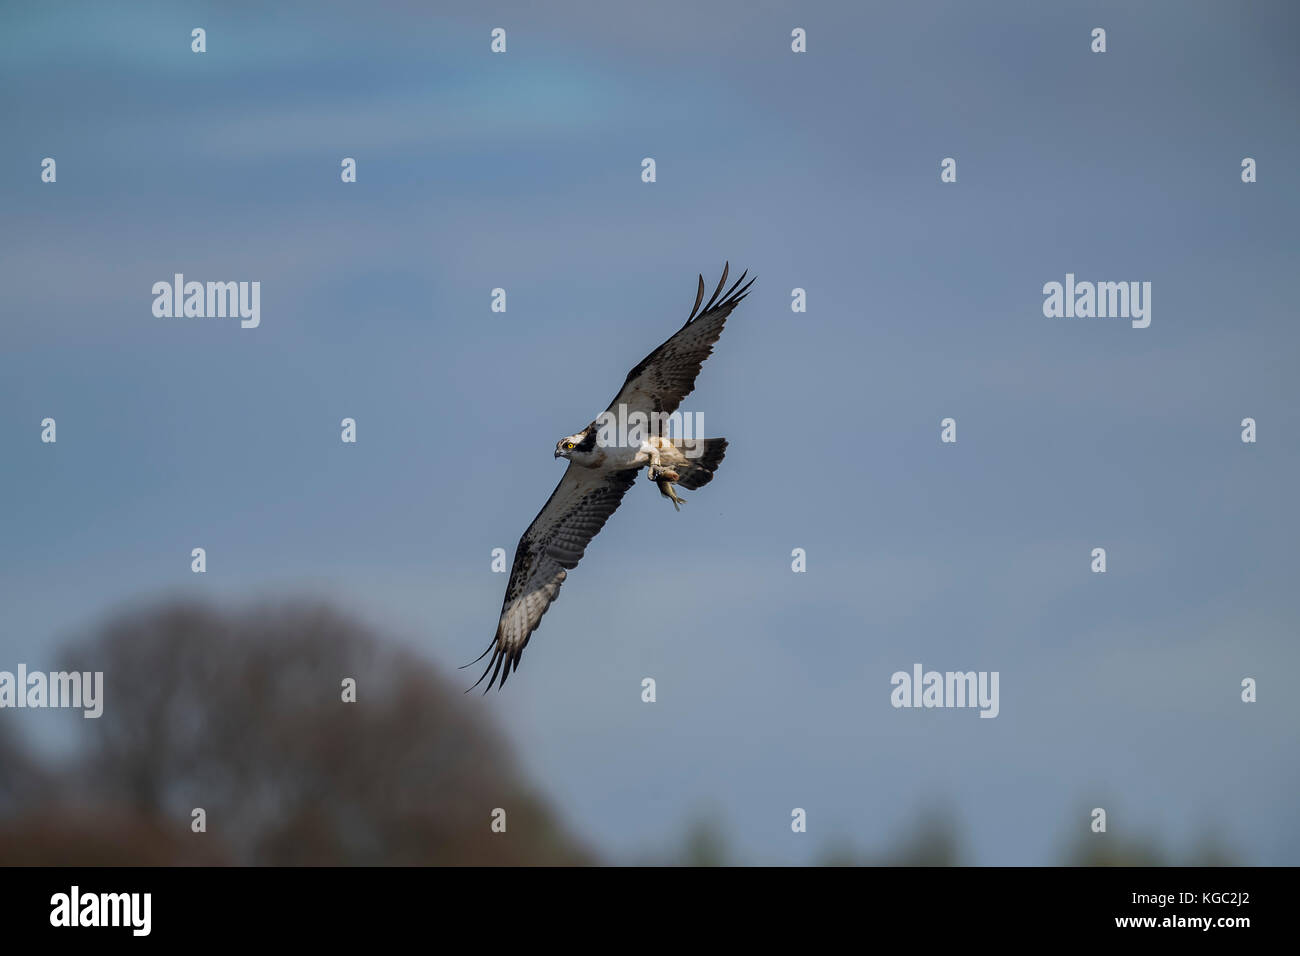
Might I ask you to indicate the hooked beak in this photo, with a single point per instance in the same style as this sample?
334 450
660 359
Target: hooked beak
557 453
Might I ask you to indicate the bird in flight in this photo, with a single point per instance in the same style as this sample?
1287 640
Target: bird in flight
601 471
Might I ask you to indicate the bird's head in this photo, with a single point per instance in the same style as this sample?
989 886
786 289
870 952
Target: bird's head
576 446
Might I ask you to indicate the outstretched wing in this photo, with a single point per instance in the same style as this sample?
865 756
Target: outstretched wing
556 540
667 375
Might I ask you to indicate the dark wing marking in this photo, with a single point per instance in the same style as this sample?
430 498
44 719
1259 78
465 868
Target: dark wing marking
667 375
555 542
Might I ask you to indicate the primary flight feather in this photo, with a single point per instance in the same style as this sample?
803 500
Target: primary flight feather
600 472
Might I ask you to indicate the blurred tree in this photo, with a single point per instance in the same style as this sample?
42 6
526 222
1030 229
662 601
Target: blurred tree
705 844
242 714
22 781
1123 847
932 840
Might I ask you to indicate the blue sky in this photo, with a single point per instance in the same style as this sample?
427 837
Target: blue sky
818 171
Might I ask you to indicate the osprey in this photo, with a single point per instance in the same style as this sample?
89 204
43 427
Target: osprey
601 472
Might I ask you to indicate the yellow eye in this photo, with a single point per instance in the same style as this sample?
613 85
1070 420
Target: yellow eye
569 446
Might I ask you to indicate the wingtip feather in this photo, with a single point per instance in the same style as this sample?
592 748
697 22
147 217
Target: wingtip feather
699 297
721 285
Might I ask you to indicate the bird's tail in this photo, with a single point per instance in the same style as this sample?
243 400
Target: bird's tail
698 471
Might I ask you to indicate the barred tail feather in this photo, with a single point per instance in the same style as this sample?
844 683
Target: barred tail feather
699 470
